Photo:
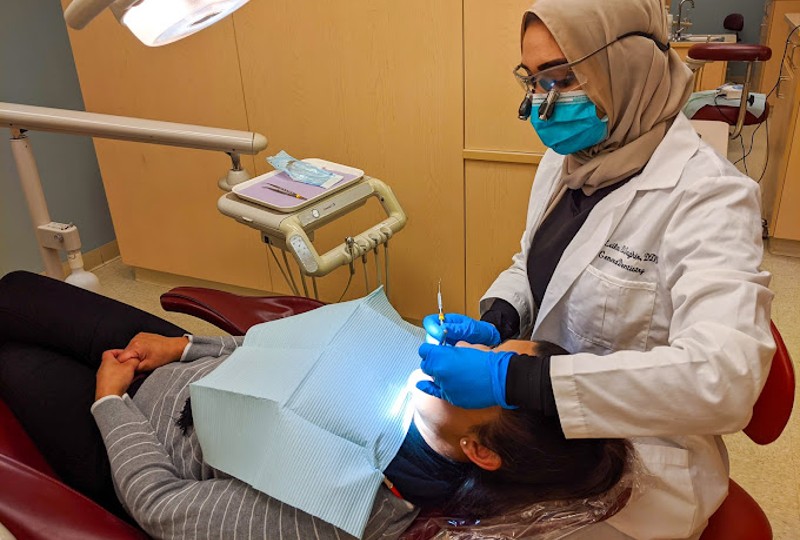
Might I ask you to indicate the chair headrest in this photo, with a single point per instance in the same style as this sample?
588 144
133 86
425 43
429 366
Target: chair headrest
734 22
730 52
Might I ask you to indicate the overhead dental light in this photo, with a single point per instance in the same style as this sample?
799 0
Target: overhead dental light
155 22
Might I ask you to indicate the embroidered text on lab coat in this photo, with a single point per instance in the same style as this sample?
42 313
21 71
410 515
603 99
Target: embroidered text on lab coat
626 257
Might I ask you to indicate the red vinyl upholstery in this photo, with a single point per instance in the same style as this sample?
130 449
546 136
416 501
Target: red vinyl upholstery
735 22
36 506
774 406
233 313
740 517
730 52
728 115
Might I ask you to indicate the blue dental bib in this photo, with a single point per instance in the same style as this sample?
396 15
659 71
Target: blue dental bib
312 408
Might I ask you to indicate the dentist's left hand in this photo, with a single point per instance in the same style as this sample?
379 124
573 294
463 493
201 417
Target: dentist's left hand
466 377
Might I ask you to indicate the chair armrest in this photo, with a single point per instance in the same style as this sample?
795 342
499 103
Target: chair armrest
232 312
738 518
41 508
774 405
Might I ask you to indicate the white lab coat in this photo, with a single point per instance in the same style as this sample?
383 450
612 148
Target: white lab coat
661 301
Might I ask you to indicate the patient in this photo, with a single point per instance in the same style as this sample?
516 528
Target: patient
53 337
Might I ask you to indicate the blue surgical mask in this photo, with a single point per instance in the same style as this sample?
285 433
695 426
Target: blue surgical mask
573 126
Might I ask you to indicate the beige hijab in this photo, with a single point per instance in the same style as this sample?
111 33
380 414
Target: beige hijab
641 88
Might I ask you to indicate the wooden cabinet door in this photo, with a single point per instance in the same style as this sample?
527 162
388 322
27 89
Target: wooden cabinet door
781 133
491 95
777 31
497 197
787 202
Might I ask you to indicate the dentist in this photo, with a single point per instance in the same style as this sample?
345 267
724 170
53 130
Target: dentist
640 257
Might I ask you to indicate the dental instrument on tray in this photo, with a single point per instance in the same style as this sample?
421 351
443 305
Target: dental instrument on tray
289 223
285 191
441 314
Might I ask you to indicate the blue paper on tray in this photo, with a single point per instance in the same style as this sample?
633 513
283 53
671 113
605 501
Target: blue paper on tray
301 171
312 408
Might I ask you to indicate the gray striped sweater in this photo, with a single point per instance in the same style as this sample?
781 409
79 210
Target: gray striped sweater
162 481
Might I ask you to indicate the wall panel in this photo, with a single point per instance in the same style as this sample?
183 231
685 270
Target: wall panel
492 96
497 197
501 152
373 84
163 199
376 85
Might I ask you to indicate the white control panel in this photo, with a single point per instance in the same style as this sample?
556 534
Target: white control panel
304 255
333 206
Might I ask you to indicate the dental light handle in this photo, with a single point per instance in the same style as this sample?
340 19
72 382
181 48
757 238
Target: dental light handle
314 264
80 12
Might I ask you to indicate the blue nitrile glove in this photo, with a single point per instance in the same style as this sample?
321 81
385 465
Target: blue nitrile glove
467 378
461 328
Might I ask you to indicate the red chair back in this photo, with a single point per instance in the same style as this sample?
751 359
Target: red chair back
736 116
740 517
735 22
231 312
774 406
729 52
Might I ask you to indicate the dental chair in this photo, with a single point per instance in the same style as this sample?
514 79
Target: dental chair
736 117
740 517
35 505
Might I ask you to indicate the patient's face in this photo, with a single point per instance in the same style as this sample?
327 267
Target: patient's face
442 418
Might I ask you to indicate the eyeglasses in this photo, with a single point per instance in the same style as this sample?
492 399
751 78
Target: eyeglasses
561 78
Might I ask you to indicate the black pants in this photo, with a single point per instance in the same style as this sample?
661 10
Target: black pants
52 336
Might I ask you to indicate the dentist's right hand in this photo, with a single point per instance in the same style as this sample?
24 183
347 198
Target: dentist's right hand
466 377
461 328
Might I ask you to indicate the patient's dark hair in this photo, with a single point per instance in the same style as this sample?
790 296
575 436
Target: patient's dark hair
539 464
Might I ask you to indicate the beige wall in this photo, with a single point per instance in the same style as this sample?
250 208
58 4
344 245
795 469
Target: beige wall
500 151
417 93
162 199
